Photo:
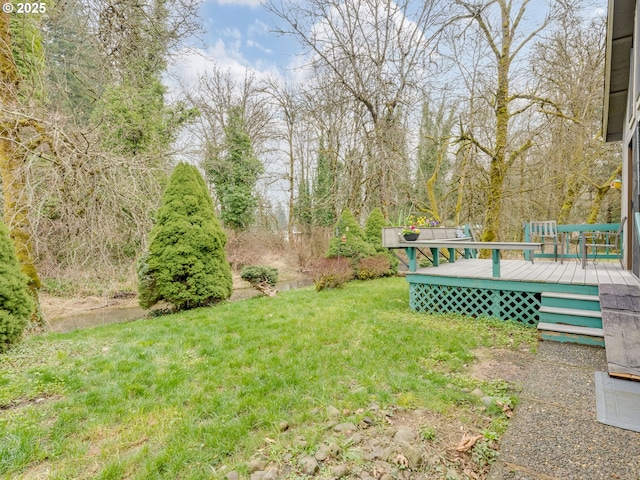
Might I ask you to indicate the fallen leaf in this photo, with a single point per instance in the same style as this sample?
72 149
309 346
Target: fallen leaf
402 461
471 474
467 442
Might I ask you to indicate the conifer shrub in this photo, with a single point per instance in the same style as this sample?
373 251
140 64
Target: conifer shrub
262 278
332 272
350 240
186 264
373 233
16 305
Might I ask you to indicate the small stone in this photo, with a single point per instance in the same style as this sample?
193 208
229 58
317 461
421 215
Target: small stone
233 475
386 454
271 474
368 420
332 412
413 454
356 438
386 476
334 449
283 426
255 465
340 471
344 427
405 435
477 393
257 475
309 465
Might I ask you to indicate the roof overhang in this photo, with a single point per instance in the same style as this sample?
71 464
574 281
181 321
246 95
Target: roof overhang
620 21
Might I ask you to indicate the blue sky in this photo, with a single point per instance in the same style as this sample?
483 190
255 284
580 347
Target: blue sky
237 37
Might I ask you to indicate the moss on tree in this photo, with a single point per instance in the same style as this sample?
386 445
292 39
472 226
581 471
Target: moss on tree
186 264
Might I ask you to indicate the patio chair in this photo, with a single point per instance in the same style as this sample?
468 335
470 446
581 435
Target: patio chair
547 229
601 240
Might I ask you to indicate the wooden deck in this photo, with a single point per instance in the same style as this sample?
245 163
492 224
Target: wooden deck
568 273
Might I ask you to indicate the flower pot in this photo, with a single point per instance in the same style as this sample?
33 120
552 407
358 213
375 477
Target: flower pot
410 237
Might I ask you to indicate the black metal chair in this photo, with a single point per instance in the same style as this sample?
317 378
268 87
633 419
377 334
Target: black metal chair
596 240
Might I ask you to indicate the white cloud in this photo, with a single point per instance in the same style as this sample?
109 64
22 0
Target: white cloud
189 65
242 3
254 44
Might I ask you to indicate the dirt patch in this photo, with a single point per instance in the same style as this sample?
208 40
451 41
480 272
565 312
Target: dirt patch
502 364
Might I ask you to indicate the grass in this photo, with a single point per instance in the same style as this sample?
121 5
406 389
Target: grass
195 394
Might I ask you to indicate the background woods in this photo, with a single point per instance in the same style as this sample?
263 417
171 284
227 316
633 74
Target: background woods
471 112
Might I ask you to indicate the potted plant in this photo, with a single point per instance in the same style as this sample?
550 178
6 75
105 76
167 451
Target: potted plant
410 233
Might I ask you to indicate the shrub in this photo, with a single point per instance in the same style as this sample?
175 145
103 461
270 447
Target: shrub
186 264
262 278
373 267
332 273
16 305
260 274
373 233
354 245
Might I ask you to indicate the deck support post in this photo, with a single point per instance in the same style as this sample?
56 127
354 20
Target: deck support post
436 256
411 256
495 259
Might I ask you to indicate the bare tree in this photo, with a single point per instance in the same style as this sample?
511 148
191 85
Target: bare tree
500 24
379 54
570 66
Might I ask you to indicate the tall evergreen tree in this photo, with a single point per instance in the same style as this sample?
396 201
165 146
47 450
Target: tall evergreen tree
186 264
16 305
302 208
350 241
235 173
324 197
373 233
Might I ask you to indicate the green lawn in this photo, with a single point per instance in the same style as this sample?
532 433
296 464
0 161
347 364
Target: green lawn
194 395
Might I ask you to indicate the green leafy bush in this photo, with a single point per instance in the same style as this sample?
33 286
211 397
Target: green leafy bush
332 273
186 264
16 305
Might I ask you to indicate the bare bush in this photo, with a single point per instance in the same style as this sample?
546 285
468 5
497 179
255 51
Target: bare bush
373 267
332 272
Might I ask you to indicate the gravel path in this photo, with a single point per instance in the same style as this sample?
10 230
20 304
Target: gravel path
554 433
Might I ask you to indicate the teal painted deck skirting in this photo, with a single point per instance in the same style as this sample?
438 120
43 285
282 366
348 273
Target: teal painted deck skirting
513 300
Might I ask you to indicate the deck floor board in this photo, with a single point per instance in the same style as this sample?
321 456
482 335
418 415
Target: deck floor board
541 271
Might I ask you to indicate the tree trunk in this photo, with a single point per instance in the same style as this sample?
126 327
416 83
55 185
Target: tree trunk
13 174
601 192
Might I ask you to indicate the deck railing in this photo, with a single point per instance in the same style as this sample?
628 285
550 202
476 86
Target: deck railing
570 234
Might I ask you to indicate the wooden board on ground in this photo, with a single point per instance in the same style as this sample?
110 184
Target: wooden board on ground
621 325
